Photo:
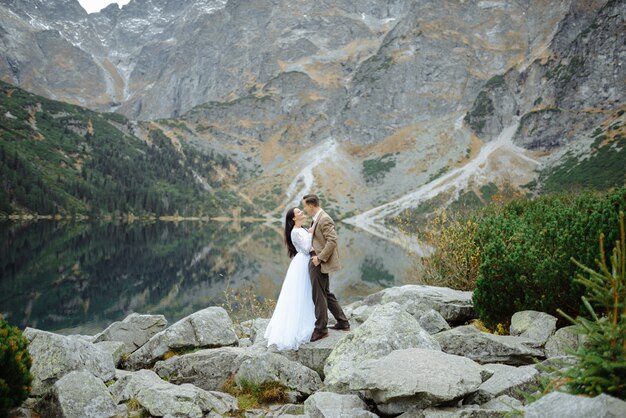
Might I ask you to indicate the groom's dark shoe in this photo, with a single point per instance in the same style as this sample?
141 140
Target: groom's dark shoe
318 335
341 327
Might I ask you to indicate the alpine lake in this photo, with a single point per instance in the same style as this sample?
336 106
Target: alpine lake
76 277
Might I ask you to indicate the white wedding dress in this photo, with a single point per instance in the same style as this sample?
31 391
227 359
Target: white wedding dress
293 319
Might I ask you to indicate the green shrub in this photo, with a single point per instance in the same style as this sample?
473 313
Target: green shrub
526 247
601 364
15 362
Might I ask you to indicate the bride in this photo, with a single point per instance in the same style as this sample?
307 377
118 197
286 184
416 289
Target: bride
293 319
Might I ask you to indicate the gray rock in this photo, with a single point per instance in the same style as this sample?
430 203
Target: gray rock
496 410
362 312
271 367
56 355
258 332
455 306
245 342
333 405
135 330
564 405
563 341
417 377
210 327
159 397
78 394
503 403
26 409
484 347
119 373
88 338
314 355
288 409
534 325
121 411
387 329
506 380
255 413
431 321
117 349
254 329
208 369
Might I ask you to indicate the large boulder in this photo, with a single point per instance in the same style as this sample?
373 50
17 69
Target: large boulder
564 405
417 377
160 398
272 367
563 341
387 329
55 355
484 347
506 380
500 407
208 328
334 405
208 369
534 325
431 321
117 349
454 305
134 331
314 355
78 394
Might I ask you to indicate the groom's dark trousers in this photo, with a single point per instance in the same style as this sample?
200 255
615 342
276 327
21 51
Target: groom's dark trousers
323 299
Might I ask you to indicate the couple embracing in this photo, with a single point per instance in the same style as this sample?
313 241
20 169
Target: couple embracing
301 313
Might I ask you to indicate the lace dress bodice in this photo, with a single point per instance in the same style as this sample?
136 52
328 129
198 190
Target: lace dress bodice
301 239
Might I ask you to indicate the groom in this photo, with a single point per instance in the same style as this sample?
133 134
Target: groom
324 259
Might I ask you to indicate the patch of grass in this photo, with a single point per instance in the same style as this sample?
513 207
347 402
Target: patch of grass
597 132
133 405
482 109
564 72
495 81
441 172
180 351
376 168
603 169
254 396
488 191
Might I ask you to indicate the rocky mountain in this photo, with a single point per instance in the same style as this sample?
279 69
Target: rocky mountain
377 105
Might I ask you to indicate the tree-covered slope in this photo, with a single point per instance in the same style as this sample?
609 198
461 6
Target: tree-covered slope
57 158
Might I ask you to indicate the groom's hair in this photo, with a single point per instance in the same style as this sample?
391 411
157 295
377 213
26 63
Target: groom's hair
312 199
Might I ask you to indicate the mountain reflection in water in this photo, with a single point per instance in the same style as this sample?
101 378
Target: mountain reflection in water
78 277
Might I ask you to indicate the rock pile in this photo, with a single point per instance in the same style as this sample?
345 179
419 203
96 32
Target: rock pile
410 354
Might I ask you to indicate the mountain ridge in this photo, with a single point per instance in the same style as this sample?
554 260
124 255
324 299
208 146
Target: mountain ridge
401 92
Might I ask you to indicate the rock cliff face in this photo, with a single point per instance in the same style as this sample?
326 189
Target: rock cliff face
363 101
577 83
159 58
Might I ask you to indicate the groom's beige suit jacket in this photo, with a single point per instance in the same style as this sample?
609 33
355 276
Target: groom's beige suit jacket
325 243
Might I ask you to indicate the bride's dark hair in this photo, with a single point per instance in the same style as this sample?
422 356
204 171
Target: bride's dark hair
289 223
